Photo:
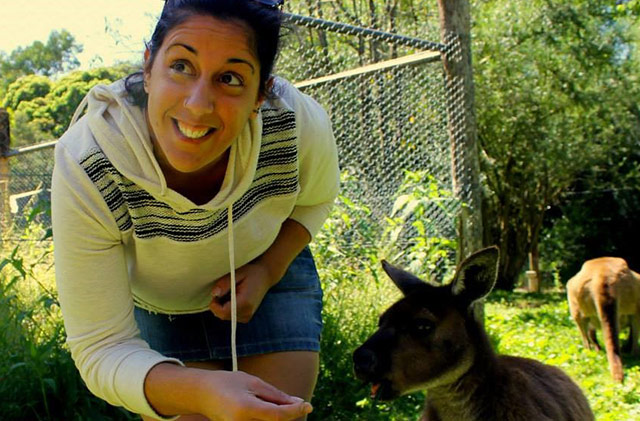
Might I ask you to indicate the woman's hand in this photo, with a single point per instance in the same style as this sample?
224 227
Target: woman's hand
253 280
240 396
219 395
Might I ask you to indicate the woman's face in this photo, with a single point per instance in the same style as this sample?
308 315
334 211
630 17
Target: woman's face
202 87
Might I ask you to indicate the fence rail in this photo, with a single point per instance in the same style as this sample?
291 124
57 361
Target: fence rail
31 148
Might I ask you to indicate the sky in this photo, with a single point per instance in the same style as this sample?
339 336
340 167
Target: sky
131 23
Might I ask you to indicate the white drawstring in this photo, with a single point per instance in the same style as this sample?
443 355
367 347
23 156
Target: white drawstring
232 271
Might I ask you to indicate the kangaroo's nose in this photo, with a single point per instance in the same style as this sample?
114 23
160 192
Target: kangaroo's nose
365 362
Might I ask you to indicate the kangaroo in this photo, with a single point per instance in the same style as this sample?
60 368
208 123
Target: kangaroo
606 293
430 340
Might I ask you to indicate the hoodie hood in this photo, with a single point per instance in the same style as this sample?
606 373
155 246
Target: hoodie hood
121 131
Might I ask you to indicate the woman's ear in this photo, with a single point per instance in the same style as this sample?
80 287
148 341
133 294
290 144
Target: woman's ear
262 96
146 69
269 84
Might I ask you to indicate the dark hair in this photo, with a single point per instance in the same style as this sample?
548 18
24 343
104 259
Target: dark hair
265 23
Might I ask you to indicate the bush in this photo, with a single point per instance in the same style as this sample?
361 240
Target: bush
38 379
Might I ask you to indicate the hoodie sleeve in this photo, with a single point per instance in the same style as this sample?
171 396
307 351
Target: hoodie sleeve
94 294
319 172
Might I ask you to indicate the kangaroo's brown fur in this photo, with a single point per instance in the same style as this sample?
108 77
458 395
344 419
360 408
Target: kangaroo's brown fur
606 293
430 340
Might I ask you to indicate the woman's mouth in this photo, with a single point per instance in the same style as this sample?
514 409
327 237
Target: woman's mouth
193 132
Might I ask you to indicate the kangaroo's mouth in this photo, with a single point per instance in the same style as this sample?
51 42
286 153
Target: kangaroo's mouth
383 390
375 388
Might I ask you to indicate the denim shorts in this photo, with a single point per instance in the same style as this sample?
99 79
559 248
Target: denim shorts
288 319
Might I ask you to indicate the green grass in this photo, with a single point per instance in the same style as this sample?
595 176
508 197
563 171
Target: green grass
538 326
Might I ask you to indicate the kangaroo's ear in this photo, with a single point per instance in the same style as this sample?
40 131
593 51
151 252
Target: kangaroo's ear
404 280
476 275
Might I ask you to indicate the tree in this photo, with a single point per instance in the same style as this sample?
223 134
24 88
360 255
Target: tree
56 56
25 89
42 109
553 95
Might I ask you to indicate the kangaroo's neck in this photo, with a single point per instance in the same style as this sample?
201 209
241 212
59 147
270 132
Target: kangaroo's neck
468 398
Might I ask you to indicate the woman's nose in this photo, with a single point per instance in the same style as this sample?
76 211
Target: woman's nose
200 99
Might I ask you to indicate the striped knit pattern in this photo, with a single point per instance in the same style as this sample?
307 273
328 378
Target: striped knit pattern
131 206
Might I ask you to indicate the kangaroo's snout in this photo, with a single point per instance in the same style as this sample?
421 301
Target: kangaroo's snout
365 363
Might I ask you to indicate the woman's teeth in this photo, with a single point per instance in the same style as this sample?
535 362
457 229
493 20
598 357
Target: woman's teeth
191 132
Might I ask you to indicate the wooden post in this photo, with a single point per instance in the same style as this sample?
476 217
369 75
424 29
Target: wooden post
533 279
455 24
5 172
455 34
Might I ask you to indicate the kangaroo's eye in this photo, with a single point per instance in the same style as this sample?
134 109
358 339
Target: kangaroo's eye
423 325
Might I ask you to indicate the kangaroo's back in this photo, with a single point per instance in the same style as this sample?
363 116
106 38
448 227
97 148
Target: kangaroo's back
541 391
601 281
605 294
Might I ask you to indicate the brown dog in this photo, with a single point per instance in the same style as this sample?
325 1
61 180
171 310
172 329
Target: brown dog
606 293
431 340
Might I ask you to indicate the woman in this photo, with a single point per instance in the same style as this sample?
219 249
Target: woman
199 160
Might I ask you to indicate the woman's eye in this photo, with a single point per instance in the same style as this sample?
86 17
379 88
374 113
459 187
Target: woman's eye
231 79
181 67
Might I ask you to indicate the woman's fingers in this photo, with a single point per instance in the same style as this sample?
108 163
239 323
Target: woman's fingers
248 397
269 393
251 287
268 411
221 288
221 310
220 304
278 405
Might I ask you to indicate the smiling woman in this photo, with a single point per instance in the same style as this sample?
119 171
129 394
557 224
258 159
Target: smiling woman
150 189
201 96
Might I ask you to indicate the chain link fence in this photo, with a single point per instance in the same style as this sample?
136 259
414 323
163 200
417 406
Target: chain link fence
394 115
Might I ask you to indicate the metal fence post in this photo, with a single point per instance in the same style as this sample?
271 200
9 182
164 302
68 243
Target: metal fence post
5 173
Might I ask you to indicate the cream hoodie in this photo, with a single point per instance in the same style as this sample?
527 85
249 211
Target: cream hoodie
122 236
